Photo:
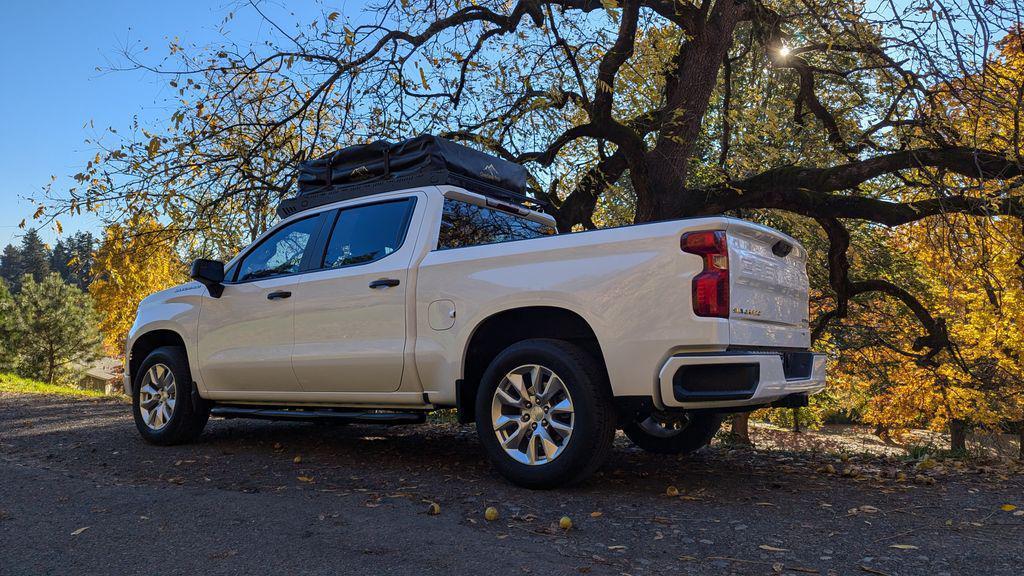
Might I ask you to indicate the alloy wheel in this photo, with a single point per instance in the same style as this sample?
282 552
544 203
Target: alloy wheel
532 414
157 396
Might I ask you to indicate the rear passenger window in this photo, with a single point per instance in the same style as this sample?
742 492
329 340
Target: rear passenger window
367 233
464 224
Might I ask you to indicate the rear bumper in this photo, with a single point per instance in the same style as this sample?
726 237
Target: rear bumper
739 379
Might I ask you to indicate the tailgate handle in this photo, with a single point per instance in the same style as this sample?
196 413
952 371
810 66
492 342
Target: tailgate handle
782 248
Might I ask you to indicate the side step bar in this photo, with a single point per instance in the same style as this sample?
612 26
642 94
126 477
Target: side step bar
319 415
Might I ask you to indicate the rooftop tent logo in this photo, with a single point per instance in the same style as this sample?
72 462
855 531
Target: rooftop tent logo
360 173
489 172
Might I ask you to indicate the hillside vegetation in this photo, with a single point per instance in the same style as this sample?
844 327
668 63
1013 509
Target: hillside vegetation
11 383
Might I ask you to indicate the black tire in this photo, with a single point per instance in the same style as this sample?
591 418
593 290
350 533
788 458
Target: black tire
696 434
189 417
593 426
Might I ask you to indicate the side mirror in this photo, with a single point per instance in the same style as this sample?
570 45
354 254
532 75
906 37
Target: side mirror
209 273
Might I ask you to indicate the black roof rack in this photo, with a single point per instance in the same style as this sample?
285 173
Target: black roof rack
383 166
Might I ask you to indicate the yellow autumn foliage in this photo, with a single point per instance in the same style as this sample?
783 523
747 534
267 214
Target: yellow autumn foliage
971 271
135 259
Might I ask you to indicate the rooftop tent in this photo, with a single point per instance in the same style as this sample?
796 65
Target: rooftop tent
384 166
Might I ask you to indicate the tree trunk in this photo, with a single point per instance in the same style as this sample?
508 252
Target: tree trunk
1020 440
688 90
958 435
741 429
796 420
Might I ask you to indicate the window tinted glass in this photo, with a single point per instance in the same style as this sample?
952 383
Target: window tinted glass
465 224
367 233
281 253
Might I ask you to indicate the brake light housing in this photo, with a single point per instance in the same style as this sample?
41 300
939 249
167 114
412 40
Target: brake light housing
711 286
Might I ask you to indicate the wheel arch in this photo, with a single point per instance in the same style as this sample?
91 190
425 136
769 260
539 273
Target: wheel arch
502 329
148 341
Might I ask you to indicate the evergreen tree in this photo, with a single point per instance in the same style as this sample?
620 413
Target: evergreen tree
73 258
61 324
35 256
11 267
60 258
8 335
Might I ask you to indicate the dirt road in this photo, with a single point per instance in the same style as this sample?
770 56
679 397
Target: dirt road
80 493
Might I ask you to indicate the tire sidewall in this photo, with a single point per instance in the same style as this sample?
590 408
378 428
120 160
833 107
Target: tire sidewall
586 426
701 429
174 359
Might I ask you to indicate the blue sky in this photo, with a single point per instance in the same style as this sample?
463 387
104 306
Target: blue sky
50 89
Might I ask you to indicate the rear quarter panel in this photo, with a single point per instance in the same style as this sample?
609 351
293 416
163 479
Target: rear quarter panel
631 284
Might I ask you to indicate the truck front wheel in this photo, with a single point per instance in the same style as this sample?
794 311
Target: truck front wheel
544 413
671 435
162 404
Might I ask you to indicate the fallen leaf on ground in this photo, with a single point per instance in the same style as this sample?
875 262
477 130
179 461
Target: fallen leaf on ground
80 530
772 548
1007 507
305 479
297 460
904 546
434 509
596 514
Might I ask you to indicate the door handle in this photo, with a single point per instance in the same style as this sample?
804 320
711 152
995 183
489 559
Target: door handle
279 295
384 283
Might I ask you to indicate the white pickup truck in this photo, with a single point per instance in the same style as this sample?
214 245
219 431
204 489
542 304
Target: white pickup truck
385 307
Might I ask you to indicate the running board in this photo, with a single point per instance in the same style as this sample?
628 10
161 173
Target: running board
319 415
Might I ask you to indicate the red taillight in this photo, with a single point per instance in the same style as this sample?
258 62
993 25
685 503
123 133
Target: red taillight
711 286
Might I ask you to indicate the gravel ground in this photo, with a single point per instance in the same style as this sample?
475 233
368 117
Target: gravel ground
80 493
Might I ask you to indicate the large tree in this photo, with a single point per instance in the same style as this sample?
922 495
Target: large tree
638 107
34 255
72 258
11 267
8 334
56 328
134 260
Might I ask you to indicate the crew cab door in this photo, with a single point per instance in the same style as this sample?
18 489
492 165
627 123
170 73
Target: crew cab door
350 314
246 335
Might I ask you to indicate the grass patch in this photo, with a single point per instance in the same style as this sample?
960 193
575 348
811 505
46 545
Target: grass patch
19 385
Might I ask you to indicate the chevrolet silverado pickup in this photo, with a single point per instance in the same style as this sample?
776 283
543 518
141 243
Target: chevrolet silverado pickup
383 307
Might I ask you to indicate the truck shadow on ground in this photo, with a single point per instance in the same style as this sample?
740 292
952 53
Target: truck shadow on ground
440 459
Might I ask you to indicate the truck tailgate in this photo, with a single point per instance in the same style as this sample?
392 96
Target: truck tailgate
768 288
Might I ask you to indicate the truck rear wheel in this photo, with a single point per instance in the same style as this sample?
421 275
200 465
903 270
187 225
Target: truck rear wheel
162 402
544 414
673 435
